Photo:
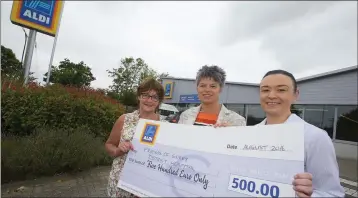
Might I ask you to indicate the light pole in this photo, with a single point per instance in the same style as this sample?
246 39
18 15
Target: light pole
28 55
23 51
54 47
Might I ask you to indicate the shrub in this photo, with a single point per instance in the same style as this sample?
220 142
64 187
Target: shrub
53 129
50 151
25 109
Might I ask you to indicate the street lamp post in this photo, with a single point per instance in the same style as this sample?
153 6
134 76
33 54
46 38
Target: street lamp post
23 51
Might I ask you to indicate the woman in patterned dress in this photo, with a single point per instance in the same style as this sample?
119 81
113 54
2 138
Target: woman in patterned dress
150 94
210 82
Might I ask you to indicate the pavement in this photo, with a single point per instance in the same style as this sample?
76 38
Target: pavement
93 183
348 170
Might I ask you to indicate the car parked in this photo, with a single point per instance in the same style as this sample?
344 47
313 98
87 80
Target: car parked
174 118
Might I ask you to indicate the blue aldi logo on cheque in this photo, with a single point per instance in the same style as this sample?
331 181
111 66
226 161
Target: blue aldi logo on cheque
39 12
149 134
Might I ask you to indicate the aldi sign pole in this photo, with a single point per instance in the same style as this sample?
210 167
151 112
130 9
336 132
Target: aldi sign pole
39 16
28 55
53 49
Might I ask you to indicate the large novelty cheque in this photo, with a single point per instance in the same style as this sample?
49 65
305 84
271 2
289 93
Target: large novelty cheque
175 160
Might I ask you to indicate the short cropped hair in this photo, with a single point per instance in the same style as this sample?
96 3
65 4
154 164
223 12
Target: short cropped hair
151 84
285 73
214 72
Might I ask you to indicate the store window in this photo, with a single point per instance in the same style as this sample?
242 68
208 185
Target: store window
297 109
238 108
182 106
347 123
321 116
193 105
255 115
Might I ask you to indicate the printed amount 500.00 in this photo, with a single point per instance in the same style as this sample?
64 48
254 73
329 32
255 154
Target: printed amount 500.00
259 188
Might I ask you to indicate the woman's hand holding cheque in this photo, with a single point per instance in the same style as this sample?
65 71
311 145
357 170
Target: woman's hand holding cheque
302 184
123 148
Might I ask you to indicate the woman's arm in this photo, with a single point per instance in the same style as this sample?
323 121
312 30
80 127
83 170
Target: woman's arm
114 138
321 162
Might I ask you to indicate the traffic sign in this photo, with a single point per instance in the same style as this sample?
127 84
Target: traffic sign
42 16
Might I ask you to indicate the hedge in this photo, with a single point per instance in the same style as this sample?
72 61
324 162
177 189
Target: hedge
47 152
53 129
25 109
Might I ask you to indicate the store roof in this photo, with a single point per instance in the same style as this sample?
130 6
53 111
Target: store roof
312 77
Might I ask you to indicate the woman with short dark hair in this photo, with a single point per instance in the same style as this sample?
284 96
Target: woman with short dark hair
278 91
210 81
150 94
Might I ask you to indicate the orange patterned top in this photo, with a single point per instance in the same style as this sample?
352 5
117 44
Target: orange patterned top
206 119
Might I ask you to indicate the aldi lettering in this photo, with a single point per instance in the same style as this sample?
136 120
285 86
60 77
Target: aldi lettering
37 17
147 138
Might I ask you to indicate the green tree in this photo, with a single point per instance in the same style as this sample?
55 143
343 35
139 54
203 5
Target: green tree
11 67
127 77
128 98
70 73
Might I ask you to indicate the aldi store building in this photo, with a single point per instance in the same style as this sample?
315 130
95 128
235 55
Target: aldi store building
327 100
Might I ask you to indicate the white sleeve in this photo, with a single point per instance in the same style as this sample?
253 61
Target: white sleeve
321 162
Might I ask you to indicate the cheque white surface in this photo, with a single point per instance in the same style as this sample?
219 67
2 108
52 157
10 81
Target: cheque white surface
174 160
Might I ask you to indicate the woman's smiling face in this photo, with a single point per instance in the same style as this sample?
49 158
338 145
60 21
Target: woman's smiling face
277 94
208 90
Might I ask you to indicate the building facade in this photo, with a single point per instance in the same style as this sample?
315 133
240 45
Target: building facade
328 101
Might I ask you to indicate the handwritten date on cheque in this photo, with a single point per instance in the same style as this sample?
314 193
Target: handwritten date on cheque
250 147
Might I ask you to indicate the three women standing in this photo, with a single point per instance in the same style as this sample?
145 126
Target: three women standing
278 91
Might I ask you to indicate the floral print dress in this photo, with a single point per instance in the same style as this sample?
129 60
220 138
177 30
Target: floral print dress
130 123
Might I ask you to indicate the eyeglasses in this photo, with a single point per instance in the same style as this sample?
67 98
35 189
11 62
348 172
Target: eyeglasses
147 96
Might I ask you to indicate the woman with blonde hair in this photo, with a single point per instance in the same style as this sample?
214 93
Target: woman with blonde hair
150 94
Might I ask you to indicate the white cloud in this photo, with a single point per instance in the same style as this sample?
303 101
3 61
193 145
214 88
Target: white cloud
300 35
245 38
